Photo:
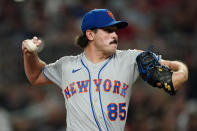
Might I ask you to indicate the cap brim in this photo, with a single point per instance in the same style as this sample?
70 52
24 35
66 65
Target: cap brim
118 24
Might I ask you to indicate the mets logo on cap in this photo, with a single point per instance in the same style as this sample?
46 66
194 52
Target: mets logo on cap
110 14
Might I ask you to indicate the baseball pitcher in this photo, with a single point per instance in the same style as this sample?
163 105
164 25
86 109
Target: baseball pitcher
97 83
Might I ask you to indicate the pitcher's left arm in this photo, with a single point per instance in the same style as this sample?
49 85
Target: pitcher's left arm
180 72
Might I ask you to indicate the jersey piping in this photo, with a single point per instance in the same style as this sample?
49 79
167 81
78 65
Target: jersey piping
100 93
93 112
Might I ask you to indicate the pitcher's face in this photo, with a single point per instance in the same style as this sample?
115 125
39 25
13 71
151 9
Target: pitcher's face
106 40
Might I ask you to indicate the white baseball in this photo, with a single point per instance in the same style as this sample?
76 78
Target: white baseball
31 46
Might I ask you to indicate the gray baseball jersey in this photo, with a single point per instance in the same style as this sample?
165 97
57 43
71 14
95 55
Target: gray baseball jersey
96 95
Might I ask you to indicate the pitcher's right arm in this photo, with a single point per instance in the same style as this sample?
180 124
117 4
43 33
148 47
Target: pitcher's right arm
33 65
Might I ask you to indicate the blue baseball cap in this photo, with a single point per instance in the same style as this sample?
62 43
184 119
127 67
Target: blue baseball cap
99 18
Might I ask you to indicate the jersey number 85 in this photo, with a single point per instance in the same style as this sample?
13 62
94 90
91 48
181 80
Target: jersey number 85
115 111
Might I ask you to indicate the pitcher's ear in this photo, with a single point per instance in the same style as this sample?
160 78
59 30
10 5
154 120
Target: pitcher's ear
90 34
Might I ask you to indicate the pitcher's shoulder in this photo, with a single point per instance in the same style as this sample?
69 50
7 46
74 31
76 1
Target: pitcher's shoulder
128 52
70 59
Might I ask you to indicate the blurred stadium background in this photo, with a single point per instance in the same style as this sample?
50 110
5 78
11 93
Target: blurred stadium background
169 25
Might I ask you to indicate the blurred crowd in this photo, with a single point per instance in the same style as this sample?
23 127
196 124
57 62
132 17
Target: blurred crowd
168 26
